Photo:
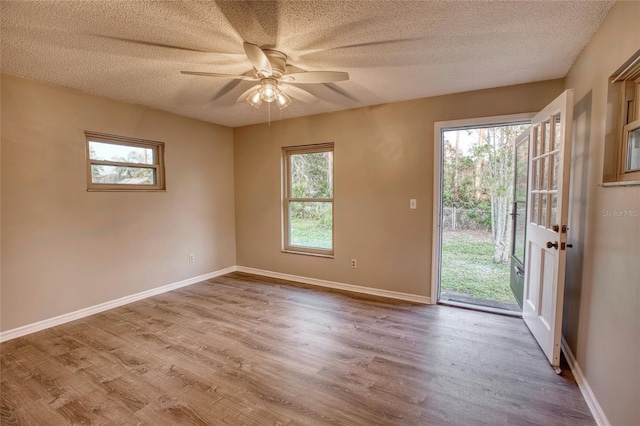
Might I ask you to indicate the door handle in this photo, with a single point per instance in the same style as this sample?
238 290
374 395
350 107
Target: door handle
554 244
519 272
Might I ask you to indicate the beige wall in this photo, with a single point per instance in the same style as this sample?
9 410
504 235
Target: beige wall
383 157
602 308
64 248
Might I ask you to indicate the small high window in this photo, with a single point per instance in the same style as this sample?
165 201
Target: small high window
118 163
308 199
623 140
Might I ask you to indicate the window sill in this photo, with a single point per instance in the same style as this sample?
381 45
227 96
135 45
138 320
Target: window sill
124 190
305 253
620 183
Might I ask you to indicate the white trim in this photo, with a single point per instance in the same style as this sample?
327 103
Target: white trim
339 286
85 312
439 126
436 236
587 393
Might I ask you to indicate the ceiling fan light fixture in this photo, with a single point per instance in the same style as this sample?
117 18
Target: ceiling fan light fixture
255 100
269 90
282 100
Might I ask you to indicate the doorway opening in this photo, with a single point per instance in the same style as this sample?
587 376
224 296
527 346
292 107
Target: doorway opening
476 229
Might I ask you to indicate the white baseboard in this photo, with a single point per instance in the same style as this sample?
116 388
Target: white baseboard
587 393
61 319
72 316
338 286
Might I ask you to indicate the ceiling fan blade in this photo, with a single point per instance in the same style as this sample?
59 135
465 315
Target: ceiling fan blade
213 74
246 94
149 43
298 93
257 58
315 77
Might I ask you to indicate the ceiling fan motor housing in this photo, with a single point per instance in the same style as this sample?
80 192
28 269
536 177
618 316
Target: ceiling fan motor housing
278 62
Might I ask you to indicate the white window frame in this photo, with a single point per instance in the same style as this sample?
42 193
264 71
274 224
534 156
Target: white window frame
627 78
287 247
158 166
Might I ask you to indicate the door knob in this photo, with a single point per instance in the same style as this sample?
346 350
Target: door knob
554 244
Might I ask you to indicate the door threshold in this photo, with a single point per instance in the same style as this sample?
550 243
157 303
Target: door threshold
480 308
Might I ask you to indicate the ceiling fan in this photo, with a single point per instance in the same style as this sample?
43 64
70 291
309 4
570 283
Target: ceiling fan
269 67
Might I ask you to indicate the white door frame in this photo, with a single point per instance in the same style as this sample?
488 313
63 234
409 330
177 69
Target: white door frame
440 127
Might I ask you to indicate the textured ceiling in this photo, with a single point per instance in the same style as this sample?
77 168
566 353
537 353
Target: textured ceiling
133 51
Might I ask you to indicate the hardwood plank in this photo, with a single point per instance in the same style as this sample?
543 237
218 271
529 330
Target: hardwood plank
247 350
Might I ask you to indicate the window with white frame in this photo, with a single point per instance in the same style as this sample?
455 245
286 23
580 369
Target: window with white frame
308 199
118 163
624 94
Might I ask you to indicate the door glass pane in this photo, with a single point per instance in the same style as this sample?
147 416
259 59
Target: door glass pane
311 175
554 209
311 224
534 208
547 136
557 133
555 171
545 173
538 147
543 214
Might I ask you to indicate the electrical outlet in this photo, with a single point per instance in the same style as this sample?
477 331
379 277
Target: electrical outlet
192 258
354 263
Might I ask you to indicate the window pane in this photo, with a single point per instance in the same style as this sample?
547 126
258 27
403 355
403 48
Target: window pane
555 171
556 134
547 136
543 215
533 217
554 209
312 175
536 173
633 150
311 224
122 175
545 173
521 170
122 153
520 227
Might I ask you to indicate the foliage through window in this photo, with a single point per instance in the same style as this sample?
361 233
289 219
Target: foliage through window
477 181
308 199
121 163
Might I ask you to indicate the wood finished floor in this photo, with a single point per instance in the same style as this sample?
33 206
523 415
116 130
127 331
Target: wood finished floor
242 349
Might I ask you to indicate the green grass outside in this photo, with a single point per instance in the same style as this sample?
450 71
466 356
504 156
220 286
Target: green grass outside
309 233
468 267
